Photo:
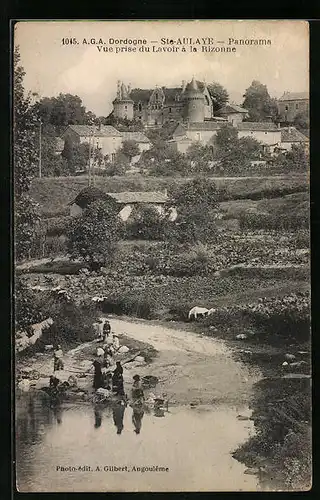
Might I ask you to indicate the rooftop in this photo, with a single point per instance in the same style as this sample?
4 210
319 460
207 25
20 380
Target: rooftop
291 134
135 136
232 108
261 126
91 194
294 96
87 130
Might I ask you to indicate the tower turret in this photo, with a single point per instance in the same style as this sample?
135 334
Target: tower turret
123 104
194 102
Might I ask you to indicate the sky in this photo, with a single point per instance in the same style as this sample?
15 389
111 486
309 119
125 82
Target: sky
52 67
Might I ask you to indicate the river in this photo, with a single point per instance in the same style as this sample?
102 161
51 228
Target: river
207 419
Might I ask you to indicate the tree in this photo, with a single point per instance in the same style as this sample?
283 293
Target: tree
25 161
259 103
146 223
93 236
25 131
63 110
130 149
27 217
76 155
219 94
302 121
226 137
200 157
294 160
197 205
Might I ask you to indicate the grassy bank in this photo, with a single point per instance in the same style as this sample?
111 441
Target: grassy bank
54 193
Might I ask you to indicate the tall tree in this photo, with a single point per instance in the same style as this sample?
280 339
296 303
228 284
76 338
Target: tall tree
197 205
25 161
219 94
93 236
259 103
130 149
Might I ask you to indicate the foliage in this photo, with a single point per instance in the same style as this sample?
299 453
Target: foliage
122 124
89 195
259 103
25 131
63 110
130 149
219 94
27 306
295 160
26 220
302 121
93 236
287 316
146 223
200 157
76 155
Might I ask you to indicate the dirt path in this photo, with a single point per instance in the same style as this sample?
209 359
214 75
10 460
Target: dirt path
191 367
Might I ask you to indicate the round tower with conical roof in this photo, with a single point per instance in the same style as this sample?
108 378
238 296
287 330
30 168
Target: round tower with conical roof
194 102
123 104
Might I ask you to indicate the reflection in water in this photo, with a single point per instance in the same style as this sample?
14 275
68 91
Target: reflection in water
118 409
137 416
72 433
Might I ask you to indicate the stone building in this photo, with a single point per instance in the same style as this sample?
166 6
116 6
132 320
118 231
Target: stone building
153 107
204 132
291 104
105 138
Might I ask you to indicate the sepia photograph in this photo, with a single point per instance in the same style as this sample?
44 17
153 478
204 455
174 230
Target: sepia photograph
162 330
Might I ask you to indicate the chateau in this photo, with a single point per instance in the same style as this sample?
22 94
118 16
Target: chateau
191 102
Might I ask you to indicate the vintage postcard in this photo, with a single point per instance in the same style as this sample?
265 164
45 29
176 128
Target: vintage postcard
162 256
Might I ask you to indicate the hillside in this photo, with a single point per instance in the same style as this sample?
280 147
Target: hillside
54 193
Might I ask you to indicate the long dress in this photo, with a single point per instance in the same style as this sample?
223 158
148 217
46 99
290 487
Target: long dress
97 377
117 381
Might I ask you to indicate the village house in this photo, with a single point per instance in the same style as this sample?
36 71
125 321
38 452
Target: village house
233 113
126 201
204 132
290 136
104 137
291 104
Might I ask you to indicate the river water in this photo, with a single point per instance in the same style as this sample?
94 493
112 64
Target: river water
70 447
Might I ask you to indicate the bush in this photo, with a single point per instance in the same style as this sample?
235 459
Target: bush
276 317
130 305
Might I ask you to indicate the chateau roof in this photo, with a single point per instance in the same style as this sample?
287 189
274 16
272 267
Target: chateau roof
192 86
291 134
87 130
294 96
143 95
262 126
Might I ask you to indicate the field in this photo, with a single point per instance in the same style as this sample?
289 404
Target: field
54 193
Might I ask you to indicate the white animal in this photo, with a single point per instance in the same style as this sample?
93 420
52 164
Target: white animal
198 311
